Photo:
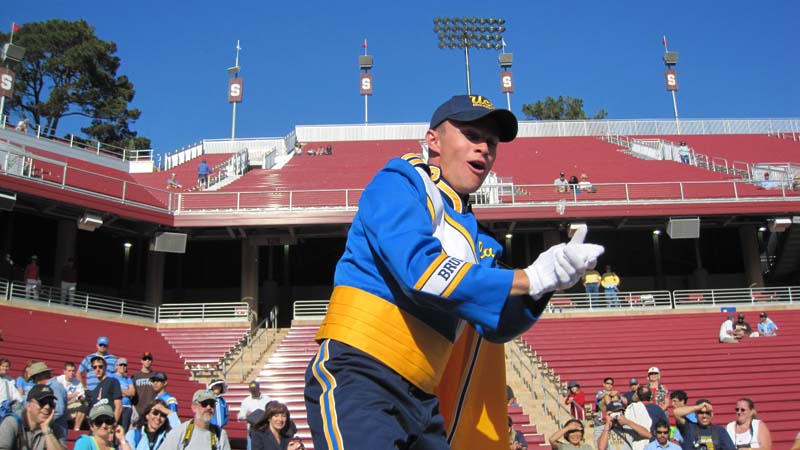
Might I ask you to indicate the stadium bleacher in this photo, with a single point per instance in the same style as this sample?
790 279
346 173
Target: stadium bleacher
686 349
203 346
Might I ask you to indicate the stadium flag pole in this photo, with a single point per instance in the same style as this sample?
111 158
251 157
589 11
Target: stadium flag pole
466 61
366 97
236 65
674 98
508 94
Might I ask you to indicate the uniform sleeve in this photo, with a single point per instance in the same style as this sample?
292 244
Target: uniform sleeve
398 227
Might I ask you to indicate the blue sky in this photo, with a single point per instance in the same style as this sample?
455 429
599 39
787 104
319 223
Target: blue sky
299 59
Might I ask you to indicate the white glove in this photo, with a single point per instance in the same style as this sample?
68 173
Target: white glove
562 265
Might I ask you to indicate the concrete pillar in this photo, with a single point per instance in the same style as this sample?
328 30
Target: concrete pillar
65 247
700 274
752 260
154 278
249 274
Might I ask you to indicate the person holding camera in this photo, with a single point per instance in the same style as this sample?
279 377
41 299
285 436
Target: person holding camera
572 432
618 432
698 436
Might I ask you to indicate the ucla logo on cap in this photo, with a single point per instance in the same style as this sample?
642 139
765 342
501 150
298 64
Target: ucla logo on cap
478 100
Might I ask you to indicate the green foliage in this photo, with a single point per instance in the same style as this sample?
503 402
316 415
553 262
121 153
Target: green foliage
68 71
561 108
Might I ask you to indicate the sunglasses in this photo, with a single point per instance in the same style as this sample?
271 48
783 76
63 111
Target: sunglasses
104 420
662 432
102 345
157 414
98 367
708 413
741 410
147 359
50 402
208 403
123 365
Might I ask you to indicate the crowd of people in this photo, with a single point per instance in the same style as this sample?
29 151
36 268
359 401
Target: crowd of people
731 332
638 419
127 412
573 184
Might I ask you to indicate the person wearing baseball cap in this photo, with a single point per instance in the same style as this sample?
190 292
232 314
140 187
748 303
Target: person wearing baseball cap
256 401
618 428
86 364
159 382
142 384
660 392
575 400
416 267
128 391
198 433
104 429
40 374
766 327
218 387
36 422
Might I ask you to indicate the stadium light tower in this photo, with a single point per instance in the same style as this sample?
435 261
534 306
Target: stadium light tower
365 64
671 76
469 32
235 89
506 80
8 52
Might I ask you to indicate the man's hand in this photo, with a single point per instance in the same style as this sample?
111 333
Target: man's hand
561 266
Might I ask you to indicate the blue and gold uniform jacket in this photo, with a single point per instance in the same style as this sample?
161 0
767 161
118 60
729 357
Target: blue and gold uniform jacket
418 288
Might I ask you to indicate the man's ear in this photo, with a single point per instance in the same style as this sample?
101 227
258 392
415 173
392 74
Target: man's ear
432 139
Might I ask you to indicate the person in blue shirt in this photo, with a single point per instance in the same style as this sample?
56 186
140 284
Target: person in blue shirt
105 433
149 431
411 346
203 171
766 327
662 441
86 364
128 391
218 387
159 380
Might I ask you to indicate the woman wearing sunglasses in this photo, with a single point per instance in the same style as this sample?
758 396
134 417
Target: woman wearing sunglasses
152 427
747 431
106 434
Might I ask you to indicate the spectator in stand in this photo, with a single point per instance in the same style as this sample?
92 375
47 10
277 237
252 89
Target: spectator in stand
766 327
585 185
511 399
644 413
22 125
256 401
601 401
149 431
69 281
704 431
106 388
573 183
218 387
8 391
203 171
684 153
145 394
742 329
105 431
275 430
575 400
516 440
629 396
748 431
610 283
591 282
37 432
660 392
86 365
172 182
679 399
40 374
618 432
662 441
726 334
76 395
23 383
572 432
7 268
561 183
128 391
159 380
33 281
198 433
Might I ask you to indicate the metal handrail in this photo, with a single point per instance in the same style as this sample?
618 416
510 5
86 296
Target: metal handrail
79 300
204 312
254 335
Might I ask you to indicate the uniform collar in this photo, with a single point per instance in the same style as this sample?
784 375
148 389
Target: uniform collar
458 202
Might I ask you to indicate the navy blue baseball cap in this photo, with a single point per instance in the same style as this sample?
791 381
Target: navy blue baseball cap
469 108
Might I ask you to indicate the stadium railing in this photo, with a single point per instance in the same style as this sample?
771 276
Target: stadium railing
258 337
204 312
634 300
96 147
79 300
